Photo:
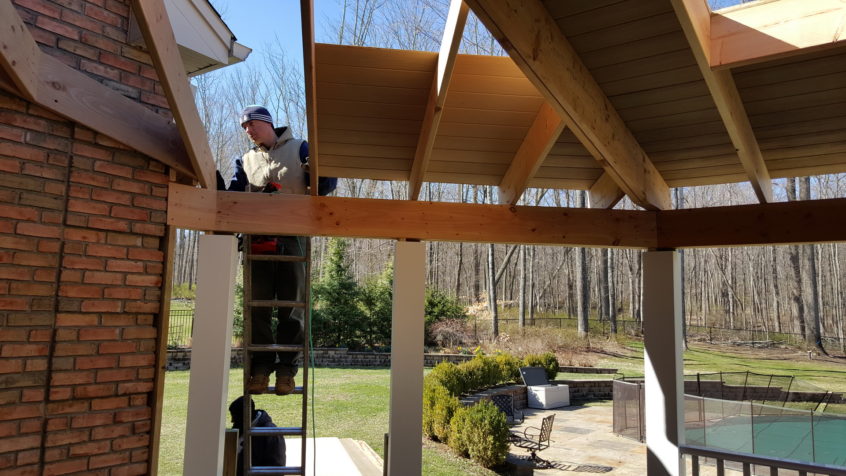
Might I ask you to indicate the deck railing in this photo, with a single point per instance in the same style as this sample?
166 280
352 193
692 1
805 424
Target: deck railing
752 464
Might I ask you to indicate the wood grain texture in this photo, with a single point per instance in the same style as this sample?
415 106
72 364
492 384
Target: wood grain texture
309 71
193 208
19 54
158 34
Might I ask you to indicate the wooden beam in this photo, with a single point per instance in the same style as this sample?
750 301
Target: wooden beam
76 96
307 20
694 16
542 135
536 44
453 30
18 51
604 193
779 223
158 34
305 215
764 31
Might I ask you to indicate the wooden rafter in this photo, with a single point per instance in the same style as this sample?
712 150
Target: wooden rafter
604 193
307 17
74 95
542 135
532 38
764 31
158 34
305 215
695 19
18 52
434 107
777 223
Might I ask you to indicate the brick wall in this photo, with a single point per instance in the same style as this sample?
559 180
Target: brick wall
81 262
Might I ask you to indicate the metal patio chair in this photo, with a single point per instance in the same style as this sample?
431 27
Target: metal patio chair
505 403
535 440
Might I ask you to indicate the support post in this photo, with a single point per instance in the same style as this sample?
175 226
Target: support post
405 425
663 365
211 340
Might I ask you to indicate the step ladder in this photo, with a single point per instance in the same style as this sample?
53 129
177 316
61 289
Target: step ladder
302 259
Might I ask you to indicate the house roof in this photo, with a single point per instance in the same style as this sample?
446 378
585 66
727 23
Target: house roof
371 103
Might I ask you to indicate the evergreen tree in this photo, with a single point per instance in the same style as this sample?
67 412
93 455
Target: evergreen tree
377 305
338 319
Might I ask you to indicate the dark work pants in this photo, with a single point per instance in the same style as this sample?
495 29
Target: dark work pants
280 281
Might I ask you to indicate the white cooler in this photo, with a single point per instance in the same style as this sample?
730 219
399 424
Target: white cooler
548 396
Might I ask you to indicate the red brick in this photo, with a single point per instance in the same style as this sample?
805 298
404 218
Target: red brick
12 335
111 431
40 7
90 448
44 275
18 412
139 333
108 251
54 424
8 428
82 21
23 151
100 42
135 306
24 350
25 121
40 335
114 375
145 254
132 415
130 213
143 280
130 186
8 366
35 229
31 289
109 404
48 246
66 466
92 391
113 169
72 378
124 293
33 470
55 454
12 134
102 277
35 259
92 419
67 437
71 406
58 28
120 347
14 304
10 165
18 213
74 320
98 333
79 234
77 291
148 229
21 443
111 196
60 393
78 262
78 48
35 365
31 426
88 207
73 348
28 457
89 178
17 243
125 266
108 224
96 362
110 459
137 360
152 177
91 305
141 454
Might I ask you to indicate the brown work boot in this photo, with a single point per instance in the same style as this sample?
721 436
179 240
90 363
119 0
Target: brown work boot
284 384
257 384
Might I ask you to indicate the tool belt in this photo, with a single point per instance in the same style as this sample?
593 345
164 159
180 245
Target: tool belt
263 245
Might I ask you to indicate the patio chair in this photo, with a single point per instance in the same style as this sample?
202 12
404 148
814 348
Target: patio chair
505 403
535 440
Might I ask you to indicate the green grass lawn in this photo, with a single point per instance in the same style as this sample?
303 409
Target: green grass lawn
348 403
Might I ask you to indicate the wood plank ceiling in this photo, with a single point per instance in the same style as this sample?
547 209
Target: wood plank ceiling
372 101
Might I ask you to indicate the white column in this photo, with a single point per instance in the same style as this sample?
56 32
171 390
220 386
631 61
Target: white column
405 424
663 364
211 346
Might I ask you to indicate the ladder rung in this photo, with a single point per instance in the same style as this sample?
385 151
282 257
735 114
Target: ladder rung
275 431
296 391
276 348
276 470
287 258
275 303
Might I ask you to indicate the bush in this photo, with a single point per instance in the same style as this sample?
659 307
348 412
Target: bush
445 406
448 375
450 333
509 368
456 427
483 433
547 360
440 307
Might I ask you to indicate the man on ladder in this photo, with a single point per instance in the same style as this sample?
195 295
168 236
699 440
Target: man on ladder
276 269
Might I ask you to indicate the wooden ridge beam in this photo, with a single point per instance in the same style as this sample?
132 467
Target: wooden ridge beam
158 34
305 215
19 53
764 31
74 95
695 19
525 29
540 138
453 30
604 193
778 223
307 21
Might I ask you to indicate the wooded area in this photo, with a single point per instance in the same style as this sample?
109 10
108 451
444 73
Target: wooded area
787 289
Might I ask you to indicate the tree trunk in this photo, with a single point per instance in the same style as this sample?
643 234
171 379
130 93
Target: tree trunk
584 282
521 298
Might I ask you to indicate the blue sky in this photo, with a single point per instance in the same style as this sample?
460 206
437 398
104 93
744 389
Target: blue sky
257 23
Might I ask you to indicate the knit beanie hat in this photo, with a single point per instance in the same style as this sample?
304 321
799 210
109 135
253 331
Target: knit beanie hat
255 112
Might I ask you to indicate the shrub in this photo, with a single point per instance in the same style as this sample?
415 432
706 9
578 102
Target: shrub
456 427
448 375
482 430
439 307
509 368
449 333
429 387
445 406
547 361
